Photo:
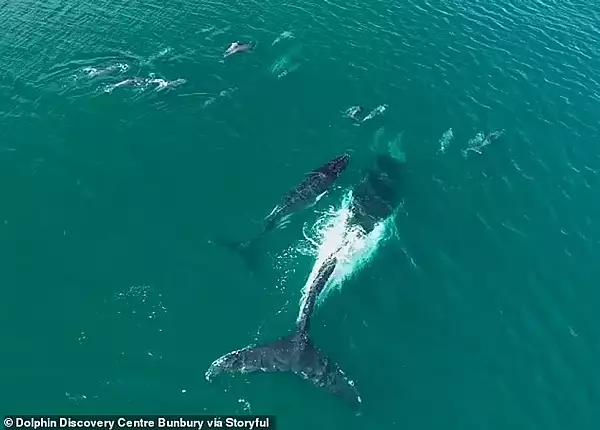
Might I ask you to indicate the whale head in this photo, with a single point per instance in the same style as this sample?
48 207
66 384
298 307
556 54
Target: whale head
336 166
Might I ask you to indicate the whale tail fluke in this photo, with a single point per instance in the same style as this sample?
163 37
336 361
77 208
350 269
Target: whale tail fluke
294 353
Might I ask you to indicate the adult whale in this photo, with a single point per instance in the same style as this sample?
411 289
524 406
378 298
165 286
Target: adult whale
294 353
378 194
305 194
375 198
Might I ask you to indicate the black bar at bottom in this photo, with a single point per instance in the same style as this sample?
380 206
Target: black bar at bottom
119 422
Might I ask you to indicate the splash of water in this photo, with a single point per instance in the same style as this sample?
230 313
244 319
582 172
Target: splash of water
445 140
333 233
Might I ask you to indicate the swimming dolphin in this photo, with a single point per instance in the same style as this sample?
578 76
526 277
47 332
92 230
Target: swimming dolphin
93 72
296 352
305 194
136 81
480 141
375 112
353 111
162 83
284 35
236 47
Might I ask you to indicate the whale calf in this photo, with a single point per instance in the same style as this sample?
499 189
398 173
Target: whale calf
308 192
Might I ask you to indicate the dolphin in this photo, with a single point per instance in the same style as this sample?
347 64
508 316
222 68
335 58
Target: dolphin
307 193
294 353
162 83
236 47
374 199
375 112
353 111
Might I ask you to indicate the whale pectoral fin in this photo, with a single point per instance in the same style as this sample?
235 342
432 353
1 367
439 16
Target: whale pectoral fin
273 212
316 200
320 196
294 353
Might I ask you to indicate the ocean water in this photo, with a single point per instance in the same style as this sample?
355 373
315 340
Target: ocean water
481 314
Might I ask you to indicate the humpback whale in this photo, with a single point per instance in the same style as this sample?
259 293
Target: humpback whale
378 194
307 193
294 353
375 198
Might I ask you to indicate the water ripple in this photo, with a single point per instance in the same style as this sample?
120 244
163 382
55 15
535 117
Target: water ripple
492 288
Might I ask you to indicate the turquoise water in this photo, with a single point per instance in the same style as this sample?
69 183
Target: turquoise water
481 315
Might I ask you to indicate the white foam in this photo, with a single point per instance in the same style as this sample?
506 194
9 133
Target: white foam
445 140
332 233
